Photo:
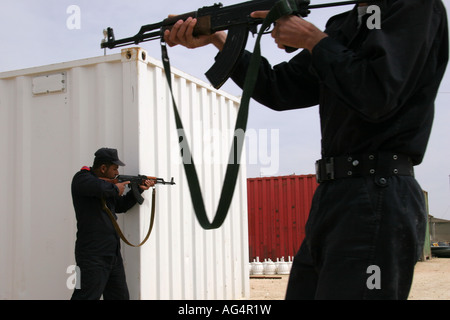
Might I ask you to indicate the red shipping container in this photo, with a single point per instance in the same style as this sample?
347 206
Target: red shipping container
278 208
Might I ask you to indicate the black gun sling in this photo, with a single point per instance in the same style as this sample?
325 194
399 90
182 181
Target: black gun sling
117 227
282 8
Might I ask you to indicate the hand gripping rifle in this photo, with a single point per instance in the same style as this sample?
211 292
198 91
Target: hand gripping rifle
136 181
235 18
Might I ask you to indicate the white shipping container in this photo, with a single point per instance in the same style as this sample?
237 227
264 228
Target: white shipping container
52 120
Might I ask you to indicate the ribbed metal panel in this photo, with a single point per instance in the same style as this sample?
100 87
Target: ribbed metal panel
278 208
120 101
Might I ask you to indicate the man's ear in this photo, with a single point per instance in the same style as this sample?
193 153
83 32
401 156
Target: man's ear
103 168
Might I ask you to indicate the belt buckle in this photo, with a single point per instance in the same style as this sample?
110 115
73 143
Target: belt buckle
329 165
325 170
318 171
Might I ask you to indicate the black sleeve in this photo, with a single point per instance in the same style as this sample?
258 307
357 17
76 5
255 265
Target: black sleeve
378 78
125 203
86 184
285 86
374 80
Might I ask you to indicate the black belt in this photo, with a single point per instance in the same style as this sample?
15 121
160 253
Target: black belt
380 165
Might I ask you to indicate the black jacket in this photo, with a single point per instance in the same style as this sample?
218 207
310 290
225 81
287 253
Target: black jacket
376 88
96 234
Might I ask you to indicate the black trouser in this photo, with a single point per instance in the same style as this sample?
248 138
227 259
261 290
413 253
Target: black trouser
101 275
362 241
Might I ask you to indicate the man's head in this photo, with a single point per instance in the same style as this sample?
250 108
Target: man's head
106 163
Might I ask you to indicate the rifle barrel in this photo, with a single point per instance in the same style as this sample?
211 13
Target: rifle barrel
337 4
131 40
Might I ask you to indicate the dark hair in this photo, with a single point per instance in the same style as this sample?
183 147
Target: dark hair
98 162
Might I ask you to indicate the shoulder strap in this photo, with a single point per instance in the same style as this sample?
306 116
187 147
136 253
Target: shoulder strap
116 226
231 175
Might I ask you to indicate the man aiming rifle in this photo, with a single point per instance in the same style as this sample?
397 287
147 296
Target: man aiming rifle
97 248
375 89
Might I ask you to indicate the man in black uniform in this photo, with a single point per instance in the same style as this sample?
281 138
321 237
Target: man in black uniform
376 90
97 248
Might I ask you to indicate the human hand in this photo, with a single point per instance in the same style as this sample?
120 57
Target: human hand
147 184
121 186
182 33
293 31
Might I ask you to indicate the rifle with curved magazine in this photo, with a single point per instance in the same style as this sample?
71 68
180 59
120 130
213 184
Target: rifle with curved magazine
234 18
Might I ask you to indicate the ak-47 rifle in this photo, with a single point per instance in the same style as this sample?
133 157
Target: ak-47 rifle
136 181
235 18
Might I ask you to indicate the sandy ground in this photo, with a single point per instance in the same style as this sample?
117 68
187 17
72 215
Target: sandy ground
431 282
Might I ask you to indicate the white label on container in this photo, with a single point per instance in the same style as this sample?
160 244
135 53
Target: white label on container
51 83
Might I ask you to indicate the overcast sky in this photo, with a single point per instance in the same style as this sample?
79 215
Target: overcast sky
36 33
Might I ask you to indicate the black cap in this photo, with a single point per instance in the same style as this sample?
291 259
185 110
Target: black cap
109 155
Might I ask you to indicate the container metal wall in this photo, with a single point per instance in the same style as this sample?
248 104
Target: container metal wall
53 119
278 208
